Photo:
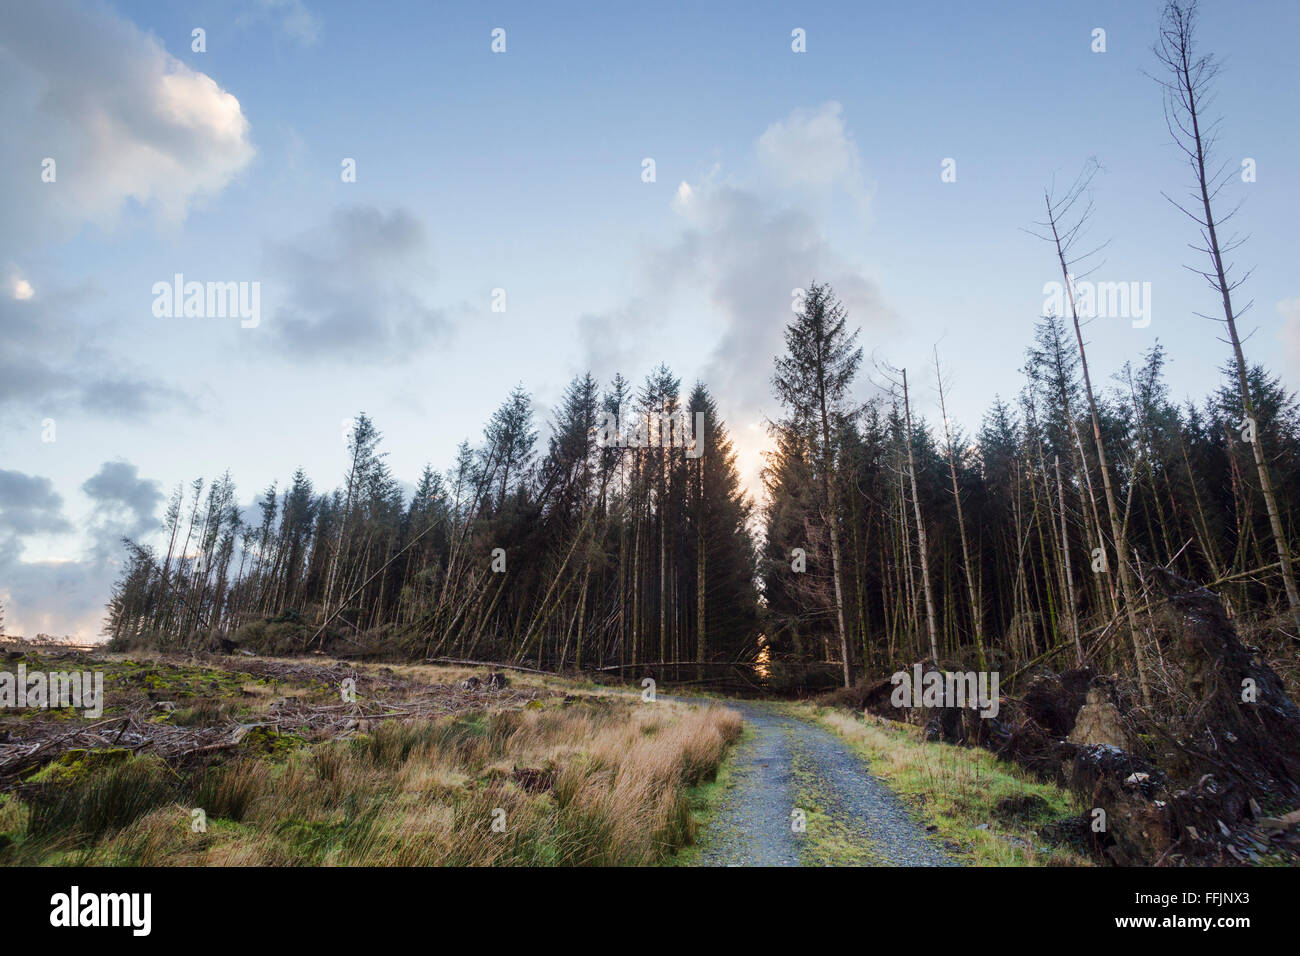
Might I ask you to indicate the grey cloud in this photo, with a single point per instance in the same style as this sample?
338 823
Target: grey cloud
29 505
54 597
43 373
123 121
68 596
355 289
126 505
125 397
613 341
118 486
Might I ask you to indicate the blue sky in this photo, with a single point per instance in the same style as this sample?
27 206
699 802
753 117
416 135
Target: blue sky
522 171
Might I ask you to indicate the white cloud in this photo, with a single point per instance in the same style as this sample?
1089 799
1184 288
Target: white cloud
812 149
747 255
119 116
741 248
292 16
22 290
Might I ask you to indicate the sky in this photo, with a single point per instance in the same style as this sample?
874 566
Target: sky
503 226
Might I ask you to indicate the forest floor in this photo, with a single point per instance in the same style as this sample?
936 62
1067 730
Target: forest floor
308 761
256 760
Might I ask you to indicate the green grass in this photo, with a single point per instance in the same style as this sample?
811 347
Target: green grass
959 790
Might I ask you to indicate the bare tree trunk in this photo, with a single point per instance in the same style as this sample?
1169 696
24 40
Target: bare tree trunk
1192 78
701 635
976 615
920 527
1069 574
1054 212
832 520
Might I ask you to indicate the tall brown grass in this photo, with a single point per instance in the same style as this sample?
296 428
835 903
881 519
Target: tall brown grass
597 781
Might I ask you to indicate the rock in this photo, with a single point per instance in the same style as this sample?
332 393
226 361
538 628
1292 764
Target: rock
1099 722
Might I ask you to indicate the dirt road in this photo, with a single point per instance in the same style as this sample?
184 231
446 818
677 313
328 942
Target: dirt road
789 771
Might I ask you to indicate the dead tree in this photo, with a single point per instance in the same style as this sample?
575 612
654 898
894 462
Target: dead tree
898 378
976 617
1066 226
1186 93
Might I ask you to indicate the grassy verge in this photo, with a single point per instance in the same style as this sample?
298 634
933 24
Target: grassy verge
704 798
560 780
987 811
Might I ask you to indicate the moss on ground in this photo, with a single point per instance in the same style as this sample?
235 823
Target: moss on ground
827 840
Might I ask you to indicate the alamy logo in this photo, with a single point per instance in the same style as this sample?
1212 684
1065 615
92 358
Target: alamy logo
103 909
53 690
975 689
652 430
1101 300
208 300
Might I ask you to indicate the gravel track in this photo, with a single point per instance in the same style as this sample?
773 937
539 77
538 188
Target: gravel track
785 764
